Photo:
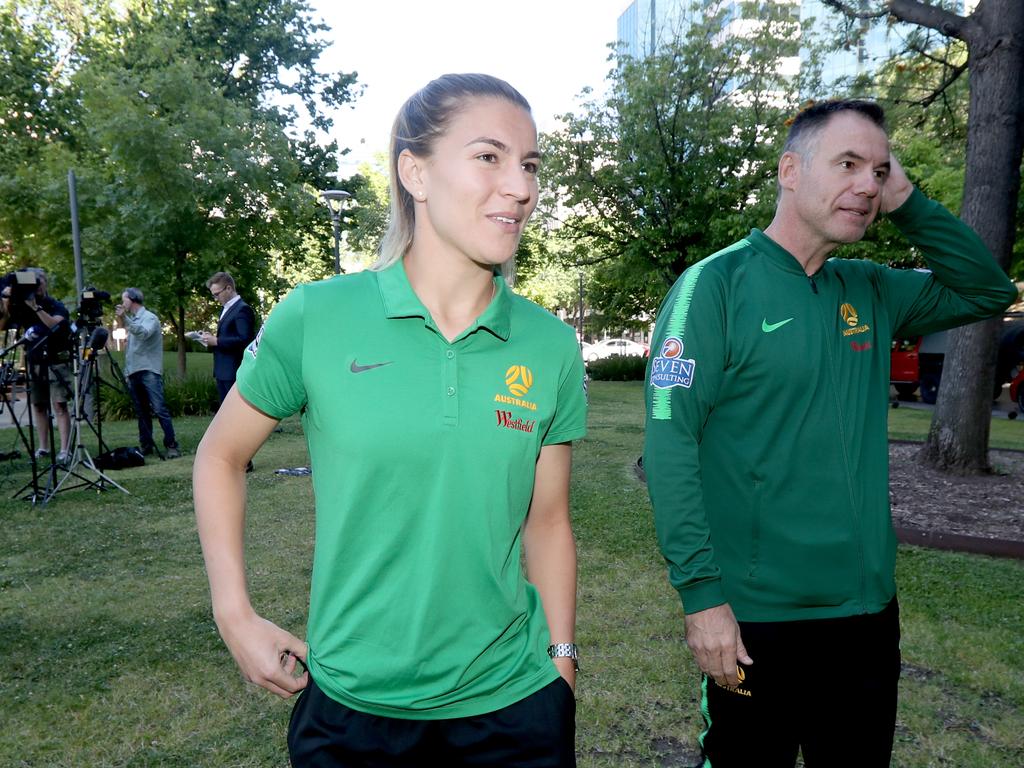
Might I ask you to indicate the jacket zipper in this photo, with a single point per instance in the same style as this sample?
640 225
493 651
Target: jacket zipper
858 533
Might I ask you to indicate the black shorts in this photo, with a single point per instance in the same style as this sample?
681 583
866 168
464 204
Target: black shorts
825 687
536 732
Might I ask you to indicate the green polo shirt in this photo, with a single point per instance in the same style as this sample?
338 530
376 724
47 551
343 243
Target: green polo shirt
423 455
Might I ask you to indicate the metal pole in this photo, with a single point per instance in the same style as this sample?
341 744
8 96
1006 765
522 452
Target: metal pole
580 309
75 238
336 219
334 199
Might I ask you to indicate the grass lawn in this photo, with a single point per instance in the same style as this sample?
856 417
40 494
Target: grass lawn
912 424
113 658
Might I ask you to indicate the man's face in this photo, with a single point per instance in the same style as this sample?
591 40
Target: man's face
126 303
837 193
221 293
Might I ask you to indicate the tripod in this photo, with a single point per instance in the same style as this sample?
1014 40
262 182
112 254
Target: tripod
93 382
29 439
8 398
84 365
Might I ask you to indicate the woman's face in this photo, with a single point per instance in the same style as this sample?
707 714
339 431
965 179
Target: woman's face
479 187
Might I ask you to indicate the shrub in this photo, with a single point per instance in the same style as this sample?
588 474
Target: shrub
192 396
618 368
116 404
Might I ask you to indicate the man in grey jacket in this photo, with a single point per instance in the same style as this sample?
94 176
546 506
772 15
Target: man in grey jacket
144 365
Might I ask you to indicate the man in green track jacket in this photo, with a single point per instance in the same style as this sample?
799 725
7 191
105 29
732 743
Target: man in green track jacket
766 449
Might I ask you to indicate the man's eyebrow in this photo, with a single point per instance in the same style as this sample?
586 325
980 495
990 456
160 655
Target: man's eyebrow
501 146
849 154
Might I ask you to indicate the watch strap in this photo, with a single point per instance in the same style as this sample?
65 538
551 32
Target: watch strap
565 651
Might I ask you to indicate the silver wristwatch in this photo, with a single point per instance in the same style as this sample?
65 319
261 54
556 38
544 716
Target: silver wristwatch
565 651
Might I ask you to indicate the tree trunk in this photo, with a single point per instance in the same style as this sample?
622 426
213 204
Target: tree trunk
958 438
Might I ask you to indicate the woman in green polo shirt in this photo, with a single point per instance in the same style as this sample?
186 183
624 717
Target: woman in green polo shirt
439 410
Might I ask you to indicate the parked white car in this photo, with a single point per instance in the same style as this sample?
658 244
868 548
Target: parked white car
610 347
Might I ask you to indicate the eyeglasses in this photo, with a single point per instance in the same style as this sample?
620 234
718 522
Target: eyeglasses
215 294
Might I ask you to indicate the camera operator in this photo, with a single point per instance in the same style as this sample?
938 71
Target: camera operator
49 360
144 365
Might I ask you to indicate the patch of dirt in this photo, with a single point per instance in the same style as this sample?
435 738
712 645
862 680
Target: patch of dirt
990 507
672 753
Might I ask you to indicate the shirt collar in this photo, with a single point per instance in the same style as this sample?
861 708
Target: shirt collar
230 303
400 301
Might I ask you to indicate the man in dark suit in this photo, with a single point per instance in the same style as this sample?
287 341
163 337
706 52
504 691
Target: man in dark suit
235 329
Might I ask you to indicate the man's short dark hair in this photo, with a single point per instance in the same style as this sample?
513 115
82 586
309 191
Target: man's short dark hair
133 294
809 123
223 279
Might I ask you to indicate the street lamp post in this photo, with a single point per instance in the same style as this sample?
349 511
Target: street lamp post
579 313
334 199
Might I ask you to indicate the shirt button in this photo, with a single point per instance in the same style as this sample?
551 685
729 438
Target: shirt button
450 354
451 391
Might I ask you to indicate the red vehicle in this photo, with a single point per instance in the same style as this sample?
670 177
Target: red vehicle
1017 389
904 373
917 362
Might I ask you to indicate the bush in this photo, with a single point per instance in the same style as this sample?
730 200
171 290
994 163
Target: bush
618 368
192 396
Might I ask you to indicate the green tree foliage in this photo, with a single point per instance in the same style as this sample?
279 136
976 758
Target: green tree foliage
370 191
187 161
545 270
39 110
678 161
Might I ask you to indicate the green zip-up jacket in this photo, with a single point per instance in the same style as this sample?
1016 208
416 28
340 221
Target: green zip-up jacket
767 399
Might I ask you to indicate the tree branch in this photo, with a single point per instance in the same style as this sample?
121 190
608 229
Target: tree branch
953 76
933 17
925 54
914 12
853 13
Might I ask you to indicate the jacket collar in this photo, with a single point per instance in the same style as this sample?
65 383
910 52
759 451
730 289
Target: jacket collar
779 255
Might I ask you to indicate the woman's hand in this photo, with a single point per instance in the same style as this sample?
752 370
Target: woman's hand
266 654
567 669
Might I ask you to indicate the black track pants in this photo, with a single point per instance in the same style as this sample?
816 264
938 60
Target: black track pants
827 687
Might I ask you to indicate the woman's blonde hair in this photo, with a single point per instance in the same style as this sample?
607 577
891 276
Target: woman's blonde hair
421 121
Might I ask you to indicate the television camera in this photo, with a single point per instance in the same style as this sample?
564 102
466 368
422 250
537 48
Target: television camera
90 307
20 287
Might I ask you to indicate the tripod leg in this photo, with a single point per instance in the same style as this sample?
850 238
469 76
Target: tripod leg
80 457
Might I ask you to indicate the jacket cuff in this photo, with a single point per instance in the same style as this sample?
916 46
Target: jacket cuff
702 595
913 208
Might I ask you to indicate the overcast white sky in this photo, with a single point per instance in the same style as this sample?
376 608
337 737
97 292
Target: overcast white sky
548 49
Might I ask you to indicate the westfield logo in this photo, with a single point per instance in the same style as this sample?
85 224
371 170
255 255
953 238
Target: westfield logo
505 420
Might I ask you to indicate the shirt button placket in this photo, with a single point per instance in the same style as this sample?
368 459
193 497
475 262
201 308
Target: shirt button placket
451 387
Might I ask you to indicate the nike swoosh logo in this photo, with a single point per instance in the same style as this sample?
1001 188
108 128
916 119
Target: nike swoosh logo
357 368
768 328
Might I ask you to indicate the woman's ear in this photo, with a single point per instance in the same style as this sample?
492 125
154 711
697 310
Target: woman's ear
410 174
